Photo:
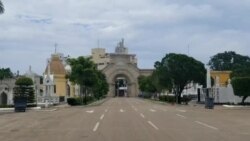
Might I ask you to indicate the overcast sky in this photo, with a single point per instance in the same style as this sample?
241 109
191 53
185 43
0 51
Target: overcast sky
151 28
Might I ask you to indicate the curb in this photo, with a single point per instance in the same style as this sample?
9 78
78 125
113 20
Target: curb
235 106
12 109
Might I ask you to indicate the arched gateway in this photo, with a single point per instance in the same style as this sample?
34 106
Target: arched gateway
122 80
120 69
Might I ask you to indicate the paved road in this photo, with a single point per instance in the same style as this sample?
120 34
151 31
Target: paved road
127 119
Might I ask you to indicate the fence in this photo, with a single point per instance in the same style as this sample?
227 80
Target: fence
221 95
51 99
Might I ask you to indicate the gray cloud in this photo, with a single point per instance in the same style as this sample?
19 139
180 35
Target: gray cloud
151 28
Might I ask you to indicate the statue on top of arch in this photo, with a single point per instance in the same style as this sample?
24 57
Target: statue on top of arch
121 49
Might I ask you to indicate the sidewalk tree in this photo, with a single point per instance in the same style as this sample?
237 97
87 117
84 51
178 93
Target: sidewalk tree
146 84
241 87
82 73
160 78
228 60
101 87
85 73
178 70
24 88
241 82
1 7
5 73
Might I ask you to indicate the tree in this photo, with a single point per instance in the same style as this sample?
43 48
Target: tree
179 70
244 71
1 7
228 60
83 73
241 87
160 78
24 88
5 73
101 87
241 81
146 84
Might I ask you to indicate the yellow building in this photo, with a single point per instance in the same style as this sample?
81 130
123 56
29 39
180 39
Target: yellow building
59 75
221 76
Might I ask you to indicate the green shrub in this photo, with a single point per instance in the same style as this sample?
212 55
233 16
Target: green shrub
147 95
79 101
167 98
186 98
73 101
6 106
241 87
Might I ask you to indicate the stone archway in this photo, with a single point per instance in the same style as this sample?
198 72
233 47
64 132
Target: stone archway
131 81
3 99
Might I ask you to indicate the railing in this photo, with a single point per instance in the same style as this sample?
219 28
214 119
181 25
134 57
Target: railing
50 99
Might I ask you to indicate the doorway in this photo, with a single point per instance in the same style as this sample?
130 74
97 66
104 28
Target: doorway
121 86
3 99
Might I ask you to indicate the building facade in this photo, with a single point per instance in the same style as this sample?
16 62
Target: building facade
6 91
121 70
55 83
221 78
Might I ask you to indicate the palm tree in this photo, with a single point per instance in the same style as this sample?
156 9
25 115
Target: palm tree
1 7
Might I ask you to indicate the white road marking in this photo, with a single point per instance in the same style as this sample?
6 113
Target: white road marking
180 110
142 115
102 117
156 128
52 110
135 109
91 111
206 125
106 110
96 126
152 110
121 110
181 116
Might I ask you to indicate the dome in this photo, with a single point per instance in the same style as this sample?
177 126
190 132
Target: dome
56 66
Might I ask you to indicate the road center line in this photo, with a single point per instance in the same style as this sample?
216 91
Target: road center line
142 115
152 110
183 111
96 126
181 116
102 117
206 125
156 128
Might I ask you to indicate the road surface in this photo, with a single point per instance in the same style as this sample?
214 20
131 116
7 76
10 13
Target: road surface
127 119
